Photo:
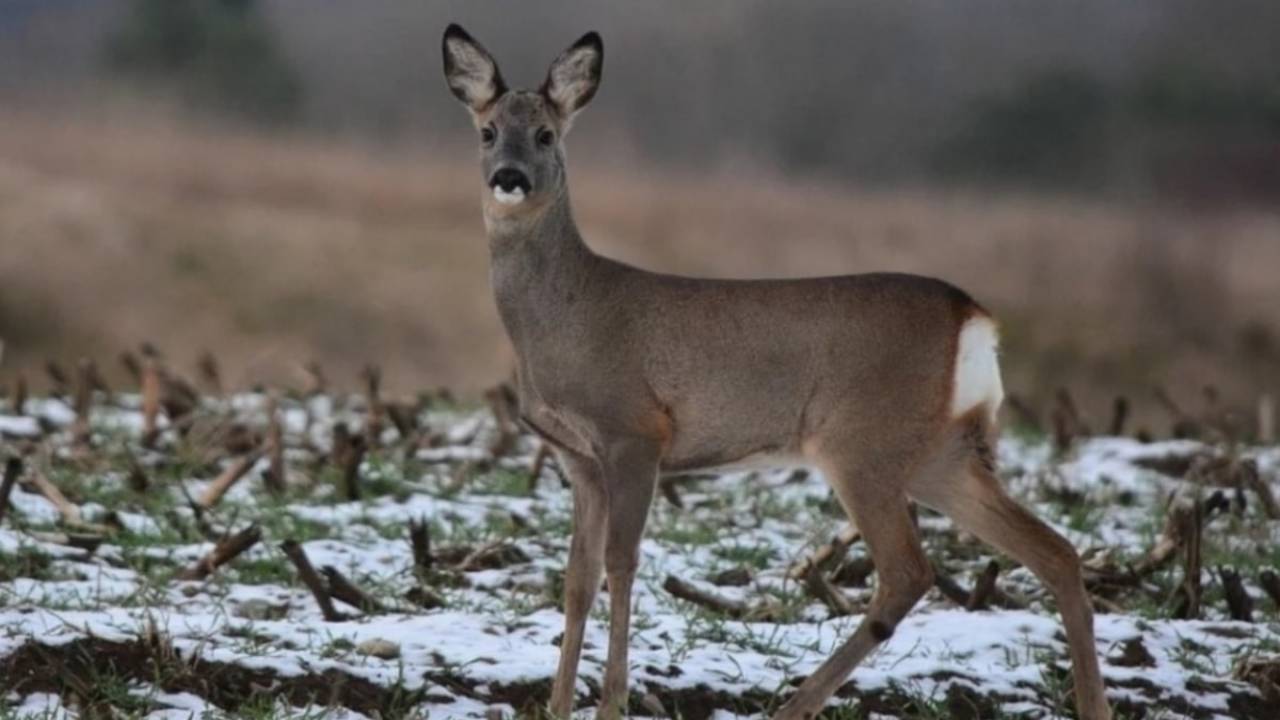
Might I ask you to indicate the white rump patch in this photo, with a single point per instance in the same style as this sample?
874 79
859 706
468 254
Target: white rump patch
515 197
977 378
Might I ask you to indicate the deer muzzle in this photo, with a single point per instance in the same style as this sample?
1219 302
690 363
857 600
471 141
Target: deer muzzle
510 186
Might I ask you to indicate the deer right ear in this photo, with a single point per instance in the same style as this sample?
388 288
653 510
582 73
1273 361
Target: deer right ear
470 70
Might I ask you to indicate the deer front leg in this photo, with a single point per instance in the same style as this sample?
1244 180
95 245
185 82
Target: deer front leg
631 472
582 577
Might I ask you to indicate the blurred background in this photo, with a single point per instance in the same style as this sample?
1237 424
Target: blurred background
280 181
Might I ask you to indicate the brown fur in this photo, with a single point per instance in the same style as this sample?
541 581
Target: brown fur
631 373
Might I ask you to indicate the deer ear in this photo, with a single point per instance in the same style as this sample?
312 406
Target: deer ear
575 75
470 70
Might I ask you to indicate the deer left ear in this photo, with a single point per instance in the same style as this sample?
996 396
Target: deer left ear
575 75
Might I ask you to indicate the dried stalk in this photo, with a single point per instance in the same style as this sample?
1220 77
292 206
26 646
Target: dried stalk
82 402
132 366
668 488
696 595
1184 426
317 383
375 417
1266 420
827 555
228 549
293 550
1007 601
1262 671
1024 414
96 381
1119 415
151 382
817 584
540 461
343 589
420 541
234 472
949 588
69 511
275 478
179 400
405 419
19 402
210 376
424 598
502 404
561 476
1250 479
340 440
1067 425
984 588
348 452
854 572
12 470
137 478
484 556
462 474
199 516
1239 604
60 383
1110 607
1270 583
1190 592
1177 528
88 542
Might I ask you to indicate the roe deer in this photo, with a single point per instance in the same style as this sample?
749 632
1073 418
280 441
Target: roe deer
888 383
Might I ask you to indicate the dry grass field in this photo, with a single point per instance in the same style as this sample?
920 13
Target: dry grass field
344 557
273 250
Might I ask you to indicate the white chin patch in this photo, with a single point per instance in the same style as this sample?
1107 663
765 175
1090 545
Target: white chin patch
514 197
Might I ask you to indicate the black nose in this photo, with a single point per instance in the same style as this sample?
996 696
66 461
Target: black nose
508 179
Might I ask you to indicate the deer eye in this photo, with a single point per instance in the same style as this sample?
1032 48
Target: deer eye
488 135
545 137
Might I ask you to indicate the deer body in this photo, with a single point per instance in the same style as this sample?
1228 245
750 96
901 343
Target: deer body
723 370
887 383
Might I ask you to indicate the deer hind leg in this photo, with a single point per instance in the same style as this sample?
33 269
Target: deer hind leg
977 502
631 474
582 577
875 499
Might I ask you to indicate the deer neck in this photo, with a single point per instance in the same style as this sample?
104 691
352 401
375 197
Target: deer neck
541 271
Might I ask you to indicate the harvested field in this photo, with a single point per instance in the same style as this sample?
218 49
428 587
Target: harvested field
178 553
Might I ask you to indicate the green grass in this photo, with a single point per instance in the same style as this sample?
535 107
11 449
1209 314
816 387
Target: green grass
1084 517
382 474
272 570
8 713
685 531
279 524
168 535
27 562
757 555
500 481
